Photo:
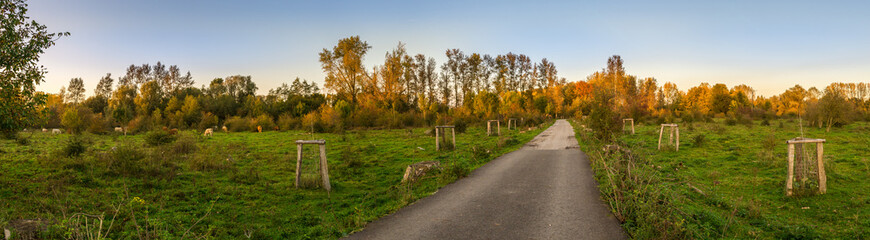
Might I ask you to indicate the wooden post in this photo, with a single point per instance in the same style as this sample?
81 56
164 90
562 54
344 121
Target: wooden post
498 123
790 176
298 163
678 138
324 168
823 179
437 143
489 128
662 130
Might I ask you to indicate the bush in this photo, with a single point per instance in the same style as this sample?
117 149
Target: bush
264 121
460 124
698 140
209 120
507 141
731 121
124 159
479 154
22 141
74 147
184 145
287 122
453 172
237 124
157 138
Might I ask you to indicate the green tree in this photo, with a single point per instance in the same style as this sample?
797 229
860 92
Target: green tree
21 43
720 98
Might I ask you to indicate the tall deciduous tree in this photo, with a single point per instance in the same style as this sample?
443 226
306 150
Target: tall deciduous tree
21 43
343 66
75 91
104 87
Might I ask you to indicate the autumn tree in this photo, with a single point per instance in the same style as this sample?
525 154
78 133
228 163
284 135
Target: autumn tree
344 68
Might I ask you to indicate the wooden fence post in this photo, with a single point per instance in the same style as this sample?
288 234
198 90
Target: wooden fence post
790 176
324 168
823 179
298 163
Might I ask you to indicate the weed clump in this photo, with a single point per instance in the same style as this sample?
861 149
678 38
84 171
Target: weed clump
157 138
211 159
479 153
454 172
74 147
124 160
698 140
184 145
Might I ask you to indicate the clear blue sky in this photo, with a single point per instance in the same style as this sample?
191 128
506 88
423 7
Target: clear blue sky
768 45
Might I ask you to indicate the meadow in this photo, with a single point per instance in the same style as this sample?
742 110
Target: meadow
231 185
728 181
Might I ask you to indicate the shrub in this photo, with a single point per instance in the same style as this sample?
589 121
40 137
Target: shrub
208 120
124 159
74 147
479 153
460 124
453 172
98 124
264 121
22 141
731 121
288 122
507 141
184 145
698 140
139 124
157 138
237 124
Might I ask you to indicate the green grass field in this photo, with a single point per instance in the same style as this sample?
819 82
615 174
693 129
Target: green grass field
740 186
229 186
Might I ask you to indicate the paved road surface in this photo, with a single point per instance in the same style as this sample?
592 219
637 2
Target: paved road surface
545 190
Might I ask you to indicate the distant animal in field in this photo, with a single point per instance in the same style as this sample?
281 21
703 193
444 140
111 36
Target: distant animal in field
56 131
208 132
259 129
173 131
224 128
275 128
44 130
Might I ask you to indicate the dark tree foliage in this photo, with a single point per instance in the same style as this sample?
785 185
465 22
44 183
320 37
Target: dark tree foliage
21 43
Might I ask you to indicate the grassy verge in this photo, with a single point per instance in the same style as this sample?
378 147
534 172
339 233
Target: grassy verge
728 181
232 185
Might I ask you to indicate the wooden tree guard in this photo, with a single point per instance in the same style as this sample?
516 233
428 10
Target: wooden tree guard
489 127
439 131
512 122
324 168
673 127
632 124
823 179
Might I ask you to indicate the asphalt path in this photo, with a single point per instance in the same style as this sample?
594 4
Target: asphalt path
545 190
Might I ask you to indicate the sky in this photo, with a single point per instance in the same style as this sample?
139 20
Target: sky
768 45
